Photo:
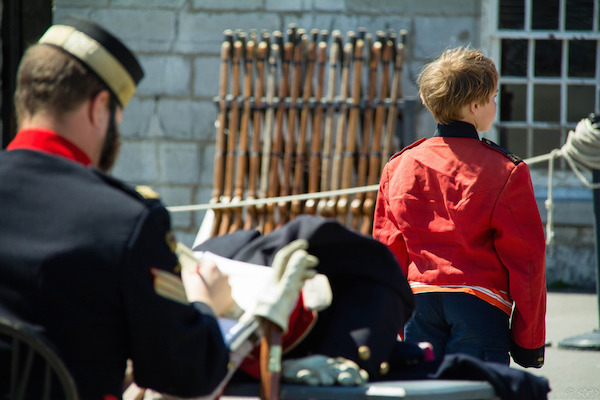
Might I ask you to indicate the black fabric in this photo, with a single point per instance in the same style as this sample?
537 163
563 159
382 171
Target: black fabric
109 42
371 298
509 383
76 252
527 357
457 129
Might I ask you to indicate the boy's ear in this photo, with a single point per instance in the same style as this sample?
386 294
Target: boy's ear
473 107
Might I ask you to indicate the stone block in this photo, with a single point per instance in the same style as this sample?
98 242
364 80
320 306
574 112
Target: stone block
141 29
410 7
177 118
203 195
62 4
137 163
226 5
432 35
177 196
373 23
136 118
567 212
571 265
203 32
207 76
207 165
185 237
166 75
179 163
409 75
328 5
329 22
61 12
288 5
153 4
204 115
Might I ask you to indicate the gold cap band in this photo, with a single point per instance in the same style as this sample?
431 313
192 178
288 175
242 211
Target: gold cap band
95 56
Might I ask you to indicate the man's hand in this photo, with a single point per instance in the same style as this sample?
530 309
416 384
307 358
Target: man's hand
319 370
204 282
292 266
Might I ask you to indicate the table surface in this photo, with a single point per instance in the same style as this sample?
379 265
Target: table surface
412 390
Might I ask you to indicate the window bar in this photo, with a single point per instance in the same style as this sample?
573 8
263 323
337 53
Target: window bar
563 85
597 84
529 95
595 27
562 12
528 6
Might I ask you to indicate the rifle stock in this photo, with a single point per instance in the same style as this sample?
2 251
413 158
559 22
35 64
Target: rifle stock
220 145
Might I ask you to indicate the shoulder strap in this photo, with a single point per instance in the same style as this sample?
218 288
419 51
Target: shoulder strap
418 142
145 194
511 156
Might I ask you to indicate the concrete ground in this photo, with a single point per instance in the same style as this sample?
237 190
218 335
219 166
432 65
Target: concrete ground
573 374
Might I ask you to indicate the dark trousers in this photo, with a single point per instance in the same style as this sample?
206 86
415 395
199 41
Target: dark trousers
460 323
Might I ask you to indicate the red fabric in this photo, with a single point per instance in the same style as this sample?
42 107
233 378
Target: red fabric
460 215
47 141
301 322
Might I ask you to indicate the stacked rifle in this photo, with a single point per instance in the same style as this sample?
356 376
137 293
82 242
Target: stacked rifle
304 112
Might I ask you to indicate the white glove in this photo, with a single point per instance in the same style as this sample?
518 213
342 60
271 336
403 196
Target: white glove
291 267
320 370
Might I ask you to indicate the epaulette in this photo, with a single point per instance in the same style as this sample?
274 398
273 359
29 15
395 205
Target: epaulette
147 192
143 193
418 142
513 157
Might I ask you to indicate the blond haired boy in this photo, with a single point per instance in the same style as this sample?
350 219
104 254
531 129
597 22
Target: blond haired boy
459 214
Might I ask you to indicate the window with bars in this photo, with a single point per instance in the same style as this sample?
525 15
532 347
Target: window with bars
548 56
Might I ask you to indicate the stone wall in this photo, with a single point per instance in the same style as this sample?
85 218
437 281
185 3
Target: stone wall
169 126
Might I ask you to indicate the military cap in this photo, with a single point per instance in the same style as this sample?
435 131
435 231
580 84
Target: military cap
100 51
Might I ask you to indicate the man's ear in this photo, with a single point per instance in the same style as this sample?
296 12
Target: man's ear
98 107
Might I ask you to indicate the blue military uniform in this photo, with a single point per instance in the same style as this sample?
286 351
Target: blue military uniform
77 253
89 260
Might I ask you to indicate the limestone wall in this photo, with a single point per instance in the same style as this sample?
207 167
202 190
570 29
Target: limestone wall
169 126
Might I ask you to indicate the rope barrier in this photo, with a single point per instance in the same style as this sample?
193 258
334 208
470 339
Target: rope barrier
279 199
581 151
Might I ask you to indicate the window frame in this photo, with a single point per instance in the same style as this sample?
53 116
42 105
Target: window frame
492 39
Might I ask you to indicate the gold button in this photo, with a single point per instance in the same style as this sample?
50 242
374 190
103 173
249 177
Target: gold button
364 353
384 368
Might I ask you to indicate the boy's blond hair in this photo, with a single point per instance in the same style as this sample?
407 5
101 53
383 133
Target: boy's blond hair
455 79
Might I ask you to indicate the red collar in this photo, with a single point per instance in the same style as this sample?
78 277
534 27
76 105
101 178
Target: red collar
47 141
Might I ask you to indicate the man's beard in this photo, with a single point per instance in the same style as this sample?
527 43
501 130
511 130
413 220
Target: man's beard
112 143
110 150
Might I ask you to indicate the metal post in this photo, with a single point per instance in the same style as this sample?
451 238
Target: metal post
591 340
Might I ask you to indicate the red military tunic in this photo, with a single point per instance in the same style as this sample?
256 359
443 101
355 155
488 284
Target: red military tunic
460 215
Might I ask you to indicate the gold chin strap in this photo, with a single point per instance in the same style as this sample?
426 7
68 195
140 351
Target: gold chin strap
95 56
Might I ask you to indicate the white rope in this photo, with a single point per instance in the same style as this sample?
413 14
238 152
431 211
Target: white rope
280 199
549 203
581 151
